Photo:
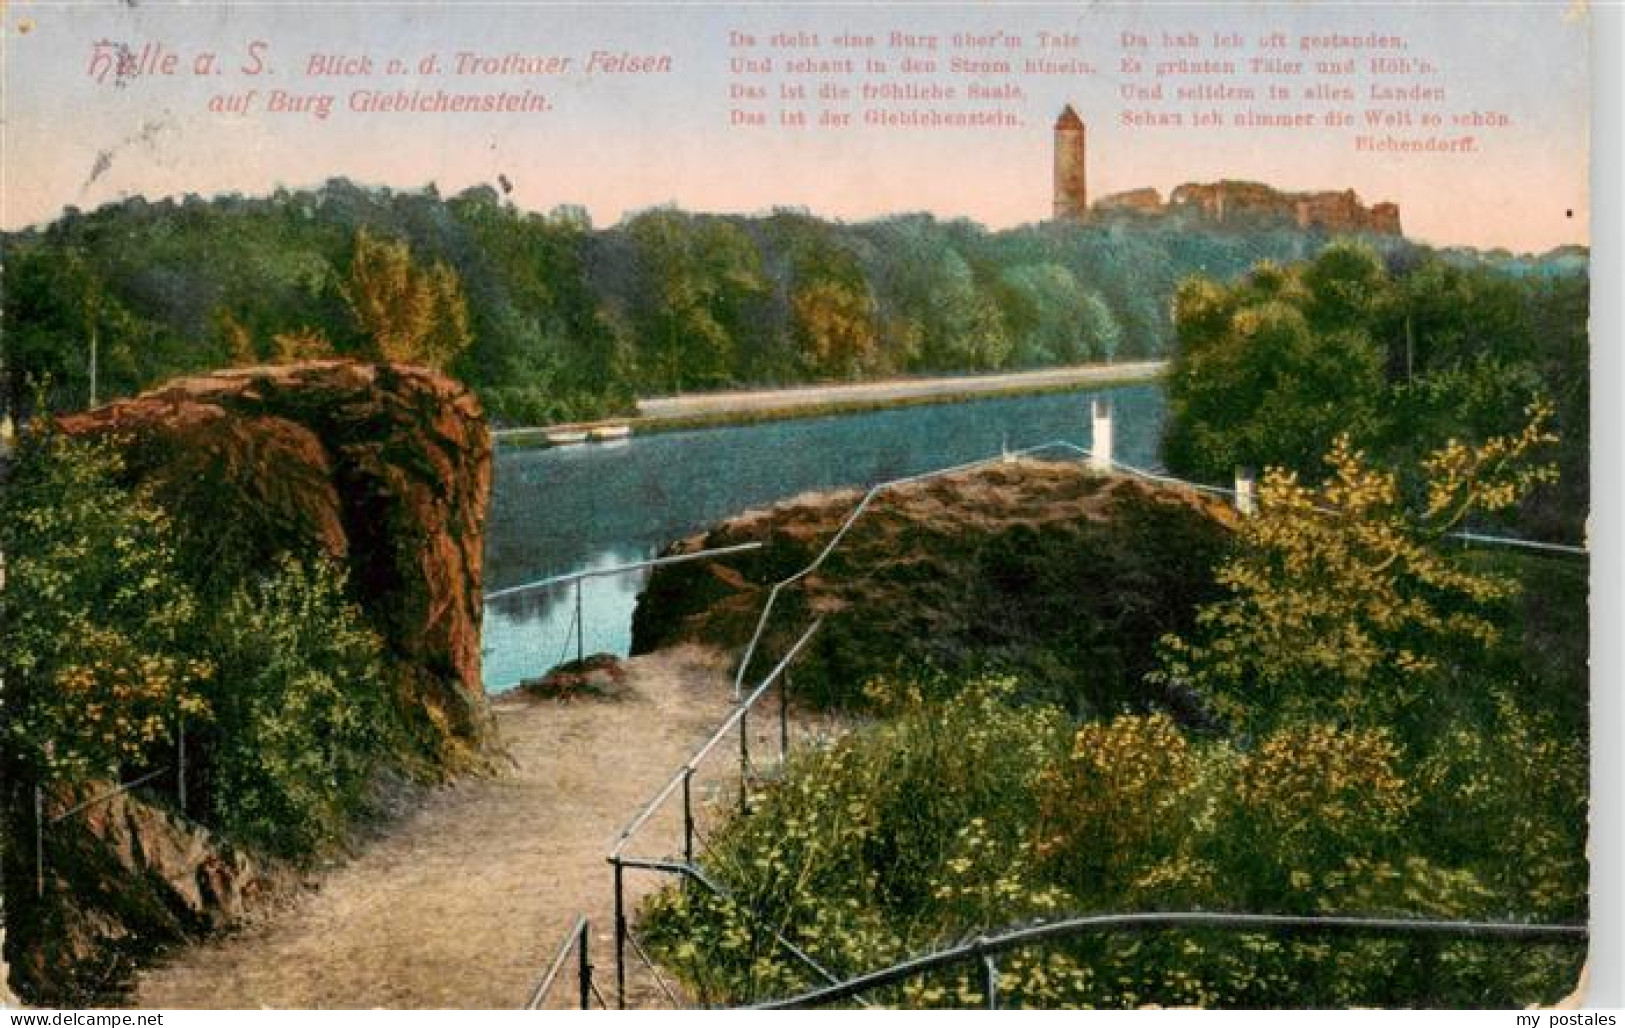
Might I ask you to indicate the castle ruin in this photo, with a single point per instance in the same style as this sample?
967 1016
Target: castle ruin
1226 202
1331 211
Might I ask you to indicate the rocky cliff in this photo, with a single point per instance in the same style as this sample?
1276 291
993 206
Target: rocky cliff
125 879
384 469
1060 576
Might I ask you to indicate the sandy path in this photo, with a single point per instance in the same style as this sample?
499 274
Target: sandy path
465 901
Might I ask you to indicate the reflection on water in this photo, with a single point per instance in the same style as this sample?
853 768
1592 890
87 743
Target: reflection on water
532 631
594 506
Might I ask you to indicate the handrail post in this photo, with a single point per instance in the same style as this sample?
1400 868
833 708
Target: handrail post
784 718
581 652
744 760
688 816
620 934
585 971
990 981
39 841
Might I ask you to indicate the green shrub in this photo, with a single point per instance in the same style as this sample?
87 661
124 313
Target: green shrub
892 838
1509 795
1114 816
301 708
964 815
93 638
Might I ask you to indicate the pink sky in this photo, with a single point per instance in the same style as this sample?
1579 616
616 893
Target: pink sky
621 143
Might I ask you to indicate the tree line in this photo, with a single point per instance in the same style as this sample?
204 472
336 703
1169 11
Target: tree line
1403 354
550 318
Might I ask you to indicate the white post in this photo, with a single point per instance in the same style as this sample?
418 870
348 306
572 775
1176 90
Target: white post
1246 491
1100 447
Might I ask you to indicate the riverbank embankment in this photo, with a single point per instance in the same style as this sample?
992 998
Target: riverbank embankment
738 407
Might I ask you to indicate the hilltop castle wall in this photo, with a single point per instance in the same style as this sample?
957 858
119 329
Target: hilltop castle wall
1146 201
1231 202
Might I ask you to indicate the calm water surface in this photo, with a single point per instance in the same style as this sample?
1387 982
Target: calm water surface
572 508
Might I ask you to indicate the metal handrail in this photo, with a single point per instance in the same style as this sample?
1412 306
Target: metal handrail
618 569
692 764
576 939
689 870
41 822
987 946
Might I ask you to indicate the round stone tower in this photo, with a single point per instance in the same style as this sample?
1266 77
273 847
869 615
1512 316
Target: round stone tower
1071 184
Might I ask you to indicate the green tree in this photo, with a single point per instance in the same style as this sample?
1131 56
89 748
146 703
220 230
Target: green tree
1269 370
702 277
407 313
1342 603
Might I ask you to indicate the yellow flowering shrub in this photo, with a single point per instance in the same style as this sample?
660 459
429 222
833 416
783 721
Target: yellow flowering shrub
1135 814
1342 603
1121 803
1318 779
94 638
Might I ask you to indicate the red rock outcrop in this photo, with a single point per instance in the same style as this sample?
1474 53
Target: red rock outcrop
385 468
158 880
1062 577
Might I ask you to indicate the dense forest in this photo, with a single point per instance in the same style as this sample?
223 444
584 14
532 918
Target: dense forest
1403 356
549 318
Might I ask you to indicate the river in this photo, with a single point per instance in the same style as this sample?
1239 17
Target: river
572 508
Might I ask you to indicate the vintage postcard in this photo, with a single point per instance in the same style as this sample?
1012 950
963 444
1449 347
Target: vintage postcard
697 505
